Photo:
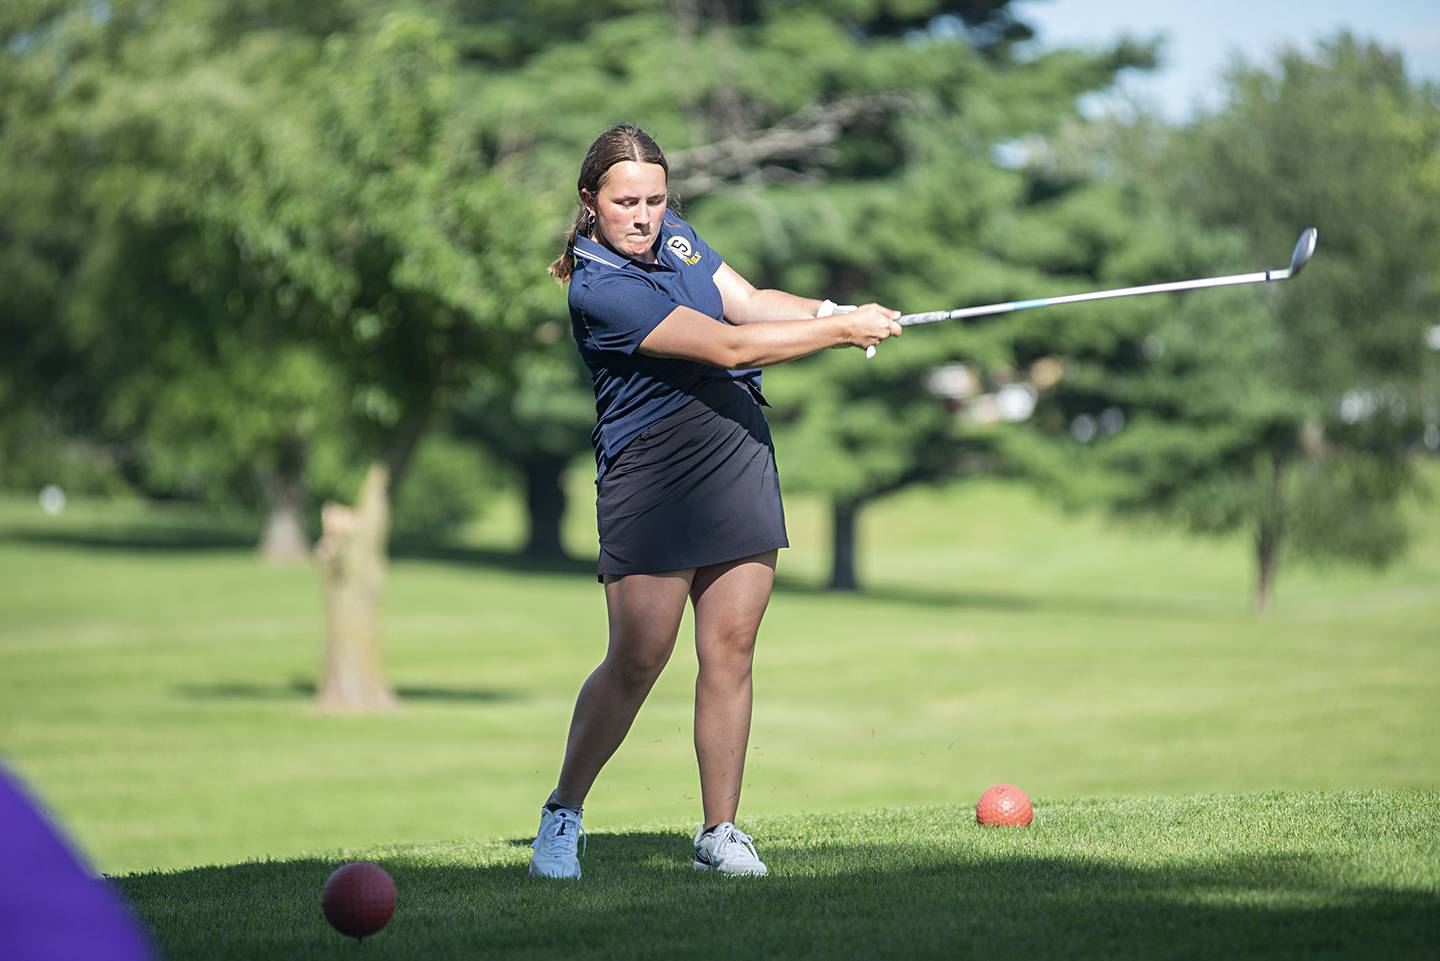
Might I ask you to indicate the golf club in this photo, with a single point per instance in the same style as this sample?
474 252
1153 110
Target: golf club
1304 248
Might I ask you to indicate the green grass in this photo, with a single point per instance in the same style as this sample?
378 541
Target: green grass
154 690
1342 875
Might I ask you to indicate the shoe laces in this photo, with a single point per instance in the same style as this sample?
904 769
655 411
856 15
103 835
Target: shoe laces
560 835
730 834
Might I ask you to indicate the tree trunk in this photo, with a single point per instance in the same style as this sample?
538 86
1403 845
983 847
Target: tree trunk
284 540
545 502
843 517
1267 543
351 555
1267 539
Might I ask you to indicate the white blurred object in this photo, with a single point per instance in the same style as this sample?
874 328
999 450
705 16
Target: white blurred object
1015 402
52 499
953 382
1432 437
1153 347
1111 420
1082 428
1358 405
1432 337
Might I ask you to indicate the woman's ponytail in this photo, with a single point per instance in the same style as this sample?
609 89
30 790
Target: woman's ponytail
562 267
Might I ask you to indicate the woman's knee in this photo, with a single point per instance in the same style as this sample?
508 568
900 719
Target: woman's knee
637 666
730 649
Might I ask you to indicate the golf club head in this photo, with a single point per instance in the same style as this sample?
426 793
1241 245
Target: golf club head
1304 247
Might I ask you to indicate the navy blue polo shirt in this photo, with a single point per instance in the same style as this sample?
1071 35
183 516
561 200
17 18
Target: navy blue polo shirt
614 304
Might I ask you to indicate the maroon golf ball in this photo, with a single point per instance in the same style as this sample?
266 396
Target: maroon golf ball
358 899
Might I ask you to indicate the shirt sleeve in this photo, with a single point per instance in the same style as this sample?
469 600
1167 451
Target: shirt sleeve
708 257
620 309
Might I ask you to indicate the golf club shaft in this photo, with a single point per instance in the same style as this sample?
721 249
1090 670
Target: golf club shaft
1299 257
935 316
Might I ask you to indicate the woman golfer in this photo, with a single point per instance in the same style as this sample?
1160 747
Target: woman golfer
688 499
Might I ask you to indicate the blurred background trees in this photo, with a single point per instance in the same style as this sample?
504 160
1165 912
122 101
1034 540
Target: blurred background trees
261 256
1289 412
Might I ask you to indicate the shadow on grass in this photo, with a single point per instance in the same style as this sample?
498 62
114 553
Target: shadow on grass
1110 604
152 537
493 559
300 690
919 596
640 899
146 537
155 537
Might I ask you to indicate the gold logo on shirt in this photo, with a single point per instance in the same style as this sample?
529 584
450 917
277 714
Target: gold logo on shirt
682 248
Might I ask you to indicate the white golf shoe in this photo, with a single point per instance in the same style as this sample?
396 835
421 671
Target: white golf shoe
554 844
729 851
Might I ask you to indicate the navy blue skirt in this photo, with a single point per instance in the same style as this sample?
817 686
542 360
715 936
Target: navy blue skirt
696 488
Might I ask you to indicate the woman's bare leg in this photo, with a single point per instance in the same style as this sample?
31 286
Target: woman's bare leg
730 600
644 614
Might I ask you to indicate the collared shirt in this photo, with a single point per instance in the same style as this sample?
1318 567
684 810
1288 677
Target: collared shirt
615 302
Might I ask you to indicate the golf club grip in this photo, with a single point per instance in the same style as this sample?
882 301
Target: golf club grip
928 317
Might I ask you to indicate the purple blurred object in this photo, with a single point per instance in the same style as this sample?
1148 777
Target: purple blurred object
51 906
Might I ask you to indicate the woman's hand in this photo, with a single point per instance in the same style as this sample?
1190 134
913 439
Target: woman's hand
866 326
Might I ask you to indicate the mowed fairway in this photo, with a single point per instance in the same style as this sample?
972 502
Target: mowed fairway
155 683
1282 875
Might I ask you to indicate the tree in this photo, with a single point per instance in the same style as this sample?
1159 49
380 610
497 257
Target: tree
1283 412
914 213
289 230
171 350
381 202
536 417
46 401
238 426
842 150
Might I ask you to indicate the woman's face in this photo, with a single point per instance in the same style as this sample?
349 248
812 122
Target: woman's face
629 207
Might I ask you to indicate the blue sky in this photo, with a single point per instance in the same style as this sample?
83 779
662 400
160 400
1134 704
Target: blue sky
1201 36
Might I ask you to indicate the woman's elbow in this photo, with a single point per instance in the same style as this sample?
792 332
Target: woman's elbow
735 352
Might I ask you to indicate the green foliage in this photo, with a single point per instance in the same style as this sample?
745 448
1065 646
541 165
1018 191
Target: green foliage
282 231
376 197
337 214
1343 140
33 454
159 344
379 188
42 236
936 108
1323 520
220 431
542 406
1289 410
449 484
911 212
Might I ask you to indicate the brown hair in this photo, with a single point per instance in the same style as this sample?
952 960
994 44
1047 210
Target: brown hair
621 142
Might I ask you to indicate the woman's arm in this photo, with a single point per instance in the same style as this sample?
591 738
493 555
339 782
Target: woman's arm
690 335
746 305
